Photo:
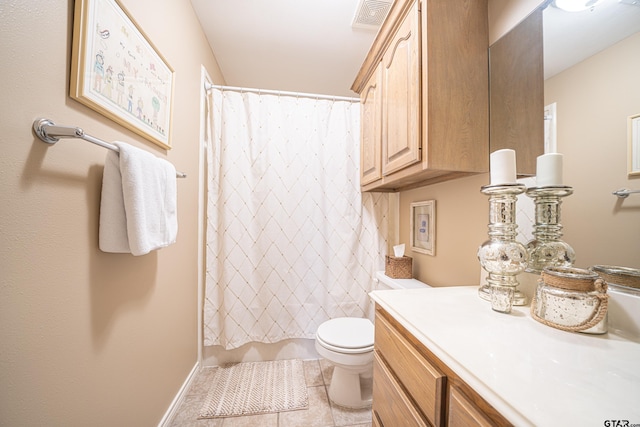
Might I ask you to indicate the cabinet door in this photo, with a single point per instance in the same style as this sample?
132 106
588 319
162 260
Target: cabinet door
463 413
401 96
391 406
371 129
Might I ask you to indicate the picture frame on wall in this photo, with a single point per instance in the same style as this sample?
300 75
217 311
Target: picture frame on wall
633 168
117 71
423 227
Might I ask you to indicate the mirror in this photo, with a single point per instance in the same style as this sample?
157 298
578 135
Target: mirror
556 39
591 64
571 37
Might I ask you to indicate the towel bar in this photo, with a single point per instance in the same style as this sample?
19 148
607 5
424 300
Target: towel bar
624 193
48 132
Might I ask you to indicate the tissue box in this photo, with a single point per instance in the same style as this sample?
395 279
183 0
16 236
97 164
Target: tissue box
399 267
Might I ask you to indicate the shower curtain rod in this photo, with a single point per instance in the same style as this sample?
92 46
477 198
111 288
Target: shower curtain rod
50 133
208 86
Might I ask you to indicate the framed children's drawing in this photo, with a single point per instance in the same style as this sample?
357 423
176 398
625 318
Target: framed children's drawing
423 227
118 72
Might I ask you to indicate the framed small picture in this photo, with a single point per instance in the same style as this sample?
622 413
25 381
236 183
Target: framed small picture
423 227
116 71
633 168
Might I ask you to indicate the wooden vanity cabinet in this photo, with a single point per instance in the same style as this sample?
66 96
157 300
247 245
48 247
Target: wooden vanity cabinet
429 66
412 387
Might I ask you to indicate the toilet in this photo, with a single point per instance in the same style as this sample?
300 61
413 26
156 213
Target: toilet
347 342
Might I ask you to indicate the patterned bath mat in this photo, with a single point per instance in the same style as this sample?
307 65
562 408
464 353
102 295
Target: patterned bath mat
256 388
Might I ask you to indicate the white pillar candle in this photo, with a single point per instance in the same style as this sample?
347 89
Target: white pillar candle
549 170
502 166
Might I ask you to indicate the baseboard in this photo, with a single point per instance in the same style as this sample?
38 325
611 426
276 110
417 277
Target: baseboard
168 416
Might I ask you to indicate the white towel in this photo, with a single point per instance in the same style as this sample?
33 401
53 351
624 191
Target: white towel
113 220
138 212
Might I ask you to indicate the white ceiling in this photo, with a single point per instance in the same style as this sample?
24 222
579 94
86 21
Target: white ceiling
288 45
309 45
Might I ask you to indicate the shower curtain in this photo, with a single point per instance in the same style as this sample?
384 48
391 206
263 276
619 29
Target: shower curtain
291 240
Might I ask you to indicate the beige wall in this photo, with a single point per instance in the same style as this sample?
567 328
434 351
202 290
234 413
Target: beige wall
89 338
461 226
593 100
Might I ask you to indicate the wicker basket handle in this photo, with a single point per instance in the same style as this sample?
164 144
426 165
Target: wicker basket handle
599 314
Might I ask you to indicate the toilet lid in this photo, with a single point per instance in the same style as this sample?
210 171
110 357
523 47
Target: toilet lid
347 332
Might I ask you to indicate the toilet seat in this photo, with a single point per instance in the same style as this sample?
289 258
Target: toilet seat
347 335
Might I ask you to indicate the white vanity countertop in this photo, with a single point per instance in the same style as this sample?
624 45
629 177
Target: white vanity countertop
531 373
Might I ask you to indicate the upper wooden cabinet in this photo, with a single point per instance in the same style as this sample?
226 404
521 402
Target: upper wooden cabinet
517 93
434 97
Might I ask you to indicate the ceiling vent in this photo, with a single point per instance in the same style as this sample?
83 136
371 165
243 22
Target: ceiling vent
371 13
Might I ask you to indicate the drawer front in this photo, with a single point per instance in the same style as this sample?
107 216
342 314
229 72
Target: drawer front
374 420
463 413
423 381
391 407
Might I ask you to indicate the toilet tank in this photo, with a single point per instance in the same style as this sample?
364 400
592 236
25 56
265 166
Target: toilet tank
382 281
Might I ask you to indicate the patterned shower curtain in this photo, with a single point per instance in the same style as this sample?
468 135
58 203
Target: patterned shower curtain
291 240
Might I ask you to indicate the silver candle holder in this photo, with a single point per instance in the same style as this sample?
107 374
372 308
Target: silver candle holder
547 249
502 256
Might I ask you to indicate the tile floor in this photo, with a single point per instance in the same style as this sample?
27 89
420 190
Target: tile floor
321 412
